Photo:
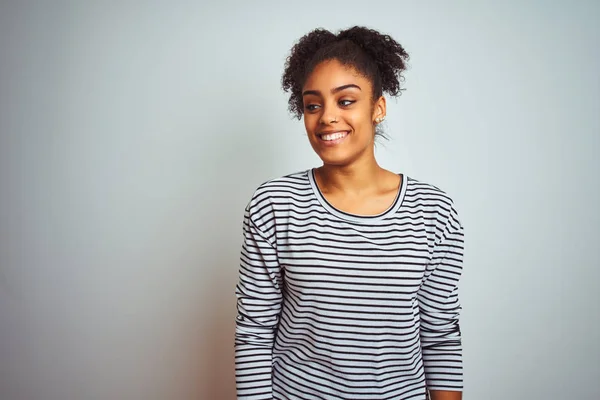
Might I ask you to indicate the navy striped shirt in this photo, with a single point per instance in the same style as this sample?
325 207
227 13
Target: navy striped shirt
333 305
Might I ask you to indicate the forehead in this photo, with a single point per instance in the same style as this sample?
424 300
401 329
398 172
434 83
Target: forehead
331 74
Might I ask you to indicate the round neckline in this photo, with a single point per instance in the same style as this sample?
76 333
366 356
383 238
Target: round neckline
357 217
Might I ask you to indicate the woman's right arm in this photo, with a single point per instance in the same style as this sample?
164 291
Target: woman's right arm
259 297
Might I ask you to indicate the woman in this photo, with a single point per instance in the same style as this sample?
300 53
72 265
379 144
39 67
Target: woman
349 272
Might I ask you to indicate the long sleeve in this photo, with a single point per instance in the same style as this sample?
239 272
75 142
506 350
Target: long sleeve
259 298
439 310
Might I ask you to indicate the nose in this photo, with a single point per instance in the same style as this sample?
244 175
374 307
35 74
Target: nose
328 117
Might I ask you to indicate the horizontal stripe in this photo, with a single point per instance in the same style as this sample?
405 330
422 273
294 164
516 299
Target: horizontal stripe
333 305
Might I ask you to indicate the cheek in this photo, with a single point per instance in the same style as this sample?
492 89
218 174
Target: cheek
311 121
360 121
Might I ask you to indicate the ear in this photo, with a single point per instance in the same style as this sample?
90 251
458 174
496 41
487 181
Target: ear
379 110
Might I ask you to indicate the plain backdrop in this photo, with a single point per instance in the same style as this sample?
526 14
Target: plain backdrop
134 133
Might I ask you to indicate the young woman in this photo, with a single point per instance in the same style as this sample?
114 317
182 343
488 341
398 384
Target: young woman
349 272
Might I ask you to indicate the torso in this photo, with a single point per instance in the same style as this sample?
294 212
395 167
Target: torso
349 325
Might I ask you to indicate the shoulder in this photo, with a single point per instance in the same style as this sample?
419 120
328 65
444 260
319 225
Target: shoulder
288 184
432 200
427 193
279 191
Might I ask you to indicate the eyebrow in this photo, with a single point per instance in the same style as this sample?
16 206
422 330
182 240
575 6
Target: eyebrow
333 91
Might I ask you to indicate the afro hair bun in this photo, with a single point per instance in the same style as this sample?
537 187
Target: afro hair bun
375 55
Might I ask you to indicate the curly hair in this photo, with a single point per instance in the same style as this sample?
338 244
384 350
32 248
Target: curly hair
376 56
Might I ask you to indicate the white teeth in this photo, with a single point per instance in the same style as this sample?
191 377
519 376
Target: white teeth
333 136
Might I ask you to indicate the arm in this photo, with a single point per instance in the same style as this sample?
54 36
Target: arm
258 303
439 313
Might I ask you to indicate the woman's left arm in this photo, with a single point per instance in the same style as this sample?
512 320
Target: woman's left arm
439 310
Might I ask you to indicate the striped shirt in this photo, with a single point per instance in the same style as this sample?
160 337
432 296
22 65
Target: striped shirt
333 305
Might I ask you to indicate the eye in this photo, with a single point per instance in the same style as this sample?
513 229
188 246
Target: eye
346 103
311 107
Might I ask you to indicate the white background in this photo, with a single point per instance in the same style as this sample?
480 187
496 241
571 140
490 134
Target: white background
133 135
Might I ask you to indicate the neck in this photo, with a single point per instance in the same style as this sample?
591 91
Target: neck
359 177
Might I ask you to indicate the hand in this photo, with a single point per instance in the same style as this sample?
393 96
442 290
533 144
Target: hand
445 395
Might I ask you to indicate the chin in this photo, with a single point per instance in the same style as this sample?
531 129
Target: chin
340 155
337 160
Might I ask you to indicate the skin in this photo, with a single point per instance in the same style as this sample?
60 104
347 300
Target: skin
445 395
338 98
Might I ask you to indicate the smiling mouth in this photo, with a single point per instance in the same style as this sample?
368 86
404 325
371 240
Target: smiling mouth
333 137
